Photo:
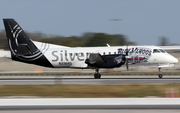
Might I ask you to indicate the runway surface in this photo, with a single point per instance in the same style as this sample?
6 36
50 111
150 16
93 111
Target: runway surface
35 80
88 103
94 111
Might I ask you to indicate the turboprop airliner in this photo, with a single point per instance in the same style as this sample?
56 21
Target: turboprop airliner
23 49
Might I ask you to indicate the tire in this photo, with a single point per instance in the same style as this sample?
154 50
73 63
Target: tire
97 76
160 75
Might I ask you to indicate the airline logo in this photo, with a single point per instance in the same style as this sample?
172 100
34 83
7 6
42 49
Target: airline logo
137 54
136 50
16 31
14 43
118 59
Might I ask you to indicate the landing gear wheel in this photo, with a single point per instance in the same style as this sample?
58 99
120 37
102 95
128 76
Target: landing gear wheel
160 75
97 76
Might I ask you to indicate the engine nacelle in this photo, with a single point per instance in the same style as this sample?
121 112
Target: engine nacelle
106 61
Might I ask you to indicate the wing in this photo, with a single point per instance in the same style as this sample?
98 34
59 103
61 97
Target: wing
170 48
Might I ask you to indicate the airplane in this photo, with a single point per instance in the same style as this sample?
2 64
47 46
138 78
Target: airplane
23 49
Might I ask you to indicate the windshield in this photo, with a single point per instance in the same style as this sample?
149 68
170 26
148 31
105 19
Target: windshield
162 51
158 51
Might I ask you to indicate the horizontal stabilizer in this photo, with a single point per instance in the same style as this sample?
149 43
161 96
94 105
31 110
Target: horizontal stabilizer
23 49
96 58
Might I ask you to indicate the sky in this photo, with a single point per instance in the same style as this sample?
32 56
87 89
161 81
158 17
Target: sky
141 21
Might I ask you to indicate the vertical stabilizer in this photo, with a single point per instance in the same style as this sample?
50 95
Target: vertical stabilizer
21 47
19 42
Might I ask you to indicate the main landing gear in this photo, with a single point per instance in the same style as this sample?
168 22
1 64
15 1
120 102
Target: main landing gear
160 73
97 75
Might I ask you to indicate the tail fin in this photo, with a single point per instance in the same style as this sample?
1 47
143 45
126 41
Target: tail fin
19 42
21 47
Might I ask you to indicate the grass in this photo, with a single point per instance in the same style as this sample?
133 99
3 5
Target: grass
135 90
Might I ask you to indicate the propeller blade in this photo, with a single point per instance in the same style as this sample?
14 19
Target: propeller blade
127 67
127 50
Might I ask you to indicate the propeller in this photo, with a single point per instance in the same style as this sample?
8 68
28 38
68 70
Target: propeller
127 67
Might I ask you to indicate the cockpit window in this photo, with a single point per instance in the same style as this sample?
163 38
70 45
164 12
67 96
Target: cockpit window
156 51
162 51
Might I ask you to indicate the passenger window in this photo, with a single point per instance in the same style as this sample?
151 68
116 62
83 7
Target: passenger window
109 53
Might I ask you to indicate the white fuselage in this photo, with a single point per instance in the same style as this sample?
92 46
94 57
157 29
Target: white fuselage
67 57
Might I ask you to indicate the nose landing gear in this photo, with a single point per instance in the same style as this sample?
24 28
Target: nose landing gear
160 73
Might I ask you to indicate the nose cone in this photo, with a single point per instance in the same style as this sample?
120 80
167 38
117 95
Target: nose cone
175 60
172 59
